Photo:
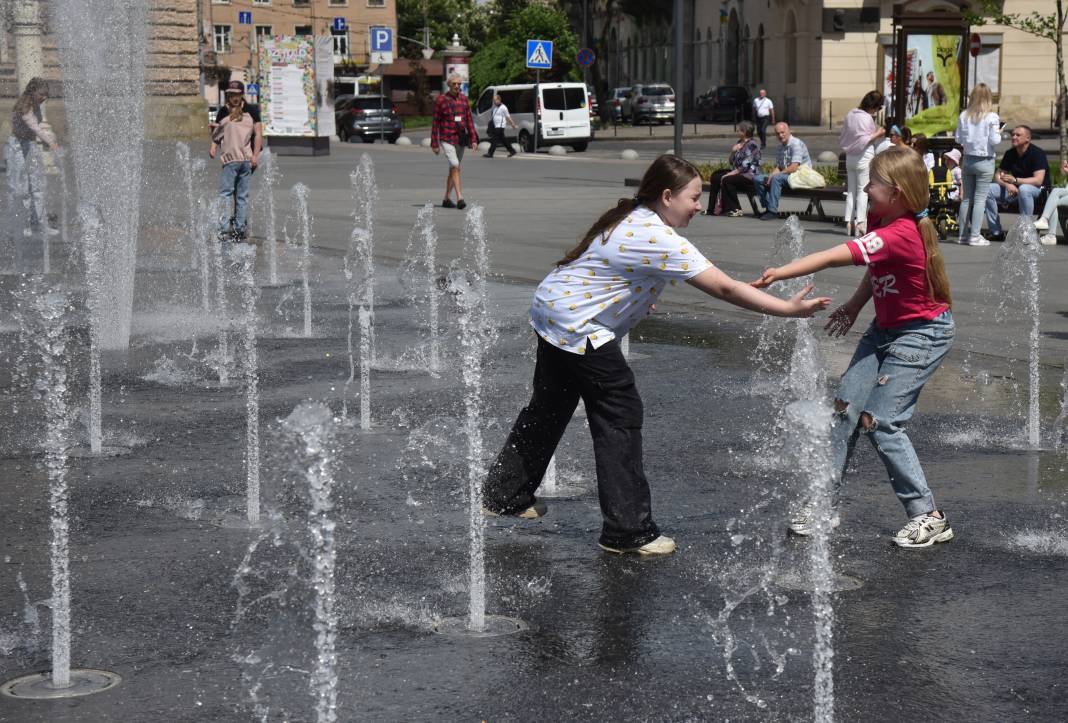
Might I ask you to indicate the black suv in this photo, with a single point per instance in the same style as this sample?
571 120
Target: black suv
366 117
729 103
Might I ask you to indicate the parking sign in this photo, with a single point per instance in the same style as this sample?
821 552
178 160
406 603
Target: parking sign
381 44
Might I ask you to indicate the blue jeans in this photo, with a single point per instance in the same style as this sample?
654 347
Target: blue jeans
884 379
1025 201
975 172
233 185
769 195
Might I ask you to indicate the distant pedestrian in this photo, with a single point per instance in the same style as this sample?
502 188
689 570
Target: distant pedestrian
498 119
452 131
793 153
237 138
902 348
900 136
600 289
978 132
764 112
858 138
725 183
25 166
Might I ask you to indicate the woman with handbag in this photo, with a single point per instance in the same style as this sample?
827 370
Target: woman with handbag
725 183
500 117
858 138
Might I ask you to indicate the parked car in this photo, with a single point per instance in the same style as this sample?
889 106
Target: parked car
616 99
648 103
730 103
561 109
366 117
595 107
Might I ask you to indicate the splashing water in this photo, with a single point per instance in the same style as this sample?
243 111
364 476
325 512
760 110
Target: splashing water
365 368
312 427
419 276
244 255
222 311
103 84
51 343
476 334
269 181
300 199
1013 281
360 272
809 428
92 250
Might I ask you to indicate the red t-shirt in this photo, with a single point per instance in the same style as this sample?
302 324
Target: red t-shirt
897 265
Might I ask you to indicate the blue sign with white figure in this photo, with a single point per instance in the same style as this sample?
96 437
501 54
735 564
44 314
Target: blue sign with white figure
540 54
244 18
339 25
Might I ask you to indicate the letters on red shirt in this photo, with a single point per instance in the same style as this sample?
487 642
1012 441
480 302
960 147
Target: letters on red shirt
897 266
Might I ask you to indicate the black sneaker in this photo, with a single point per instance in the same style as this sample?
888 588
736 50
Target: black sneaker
447 203
536 510
995 236
461 204
769 216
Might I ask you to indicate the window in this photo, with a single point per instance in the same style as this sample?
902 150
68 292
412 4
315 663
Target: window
791 48
564 98
338 3
341 43
261 2
223 35
376 3
302 30
263 32
485 101
301 3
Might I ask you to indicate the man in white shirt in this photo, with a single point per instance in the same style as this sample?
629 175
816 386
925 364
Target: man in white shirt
764 110
497 120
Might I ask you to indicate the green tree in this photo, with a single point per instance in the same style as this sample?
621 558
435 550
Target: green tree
466 18
1050 26
503 60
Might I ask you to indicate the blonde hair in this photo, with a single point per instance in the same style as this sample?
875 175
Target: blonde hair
980 103
903 169
235 104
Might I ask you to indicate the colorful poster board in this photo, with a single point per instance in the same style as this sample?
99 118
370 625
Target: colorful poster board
932 81
287 86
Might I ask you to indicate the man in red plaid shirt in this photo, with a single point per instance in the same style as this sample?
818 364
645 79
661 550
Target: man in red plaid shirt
453 129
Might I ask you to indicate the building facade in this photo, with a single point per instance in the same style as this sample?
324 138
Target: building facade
171 78
817 58
230 29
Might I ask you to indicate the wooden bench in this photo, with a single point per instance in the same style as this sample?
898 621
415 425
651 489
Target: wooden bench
815 197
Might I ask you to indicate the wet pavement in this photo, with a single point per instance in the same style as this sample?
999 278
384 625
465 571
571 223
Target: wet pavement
209 622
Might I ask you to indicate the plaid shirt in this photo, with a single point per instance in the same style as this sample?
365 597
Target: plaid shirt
446 129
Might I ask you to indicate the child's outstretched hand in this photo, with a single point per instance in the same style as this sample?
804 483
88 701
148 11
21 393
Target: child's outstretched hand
805 308
769 277
840 321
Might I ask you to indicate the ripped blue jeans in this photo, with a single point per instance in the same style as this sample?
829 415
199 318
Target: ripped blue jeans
882 384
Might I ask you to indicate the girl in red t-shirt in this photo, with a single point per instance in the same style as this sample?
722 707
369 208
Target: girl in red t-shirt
910 336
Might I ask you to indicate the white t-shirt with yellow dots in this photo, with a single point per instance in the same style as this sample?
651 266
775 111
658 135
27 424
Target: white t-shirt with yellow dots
613 285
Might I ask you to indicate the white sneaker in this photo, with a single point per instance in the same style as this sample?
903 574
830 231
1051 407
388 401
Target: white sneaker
1042 224
27 232
803 522
924 531
49 231
662 545
976 241
536 510
1048 239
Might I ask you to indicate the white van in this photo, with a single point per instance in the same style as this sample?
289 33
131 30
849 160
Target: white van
563 111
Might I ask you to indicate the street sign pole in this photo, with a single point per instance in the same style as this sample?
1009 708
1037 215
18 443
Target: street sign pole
537 107
679 77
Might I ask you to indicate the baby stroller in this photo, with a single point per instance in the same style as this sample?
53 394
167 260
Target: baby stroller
941 209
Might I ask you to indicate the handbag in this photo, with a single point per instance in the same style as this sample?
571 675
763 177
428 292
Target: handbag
806 177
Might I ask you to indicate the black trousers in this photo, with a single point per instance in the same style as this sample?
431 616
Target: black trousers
762 129
604 381
497 139
730 186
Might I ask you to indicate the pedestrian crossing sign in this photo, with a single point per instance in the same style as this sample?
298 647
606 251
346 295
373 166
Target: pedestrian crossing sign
540 54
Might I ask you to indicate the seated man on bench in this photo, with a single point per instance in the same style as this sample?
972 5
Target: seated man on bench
793 153
1021 177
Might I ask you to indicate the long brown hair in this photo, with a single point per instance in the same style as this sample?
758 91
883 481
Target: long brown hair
903 169
666 172
235 103
28 100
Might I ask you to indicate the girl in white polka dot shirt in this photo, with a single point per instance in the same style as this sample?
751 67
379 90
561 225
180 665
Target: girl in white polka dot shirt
596 294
